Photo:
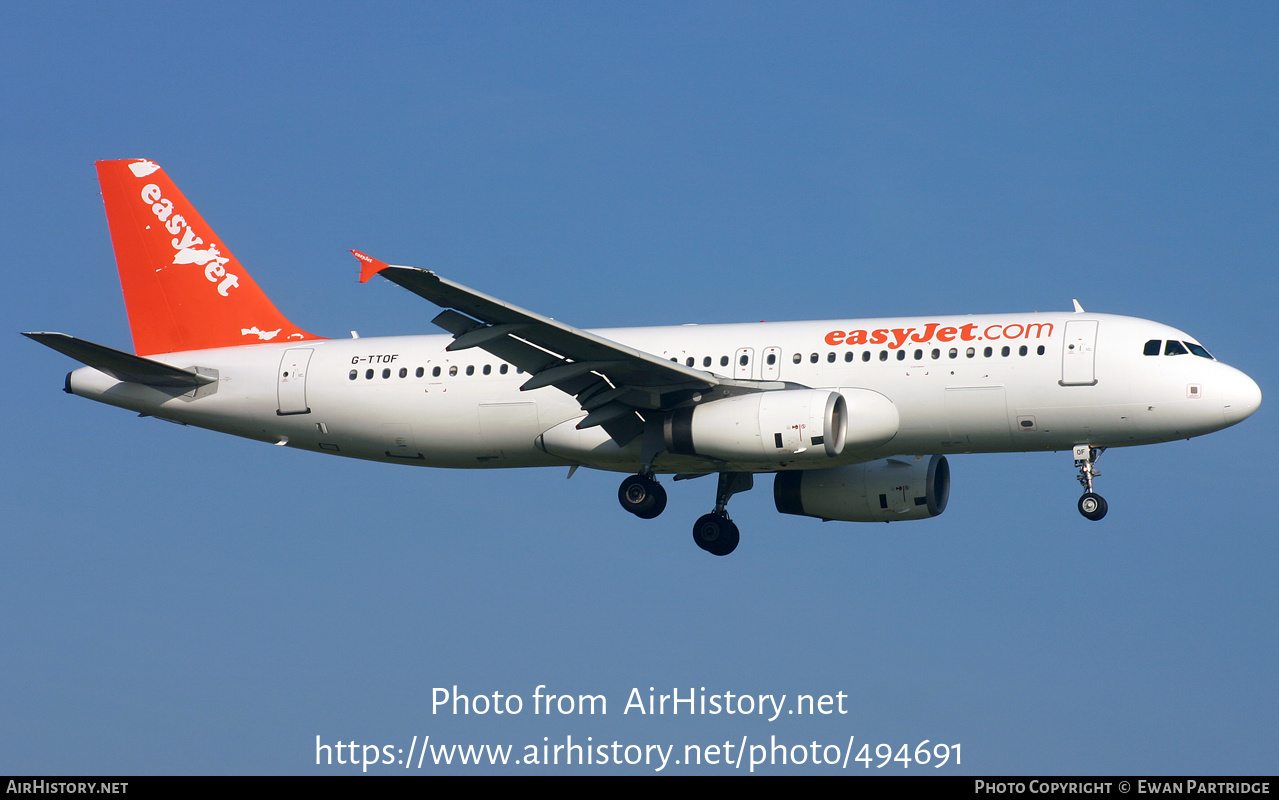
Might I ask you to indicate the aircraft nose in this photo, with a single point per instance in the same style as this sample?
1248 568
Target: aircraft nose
1242 397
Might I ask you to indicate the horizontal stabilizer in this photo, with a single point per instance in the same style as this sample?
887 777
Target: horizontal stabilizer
120 365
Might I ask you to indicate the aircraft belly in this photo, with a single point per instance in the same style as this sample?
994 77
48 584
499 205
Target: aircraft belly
402 424
432 425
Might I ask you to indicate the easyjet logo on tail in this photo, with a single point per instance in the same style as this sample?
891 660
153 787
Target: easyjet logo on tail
186 243
183 288
897 337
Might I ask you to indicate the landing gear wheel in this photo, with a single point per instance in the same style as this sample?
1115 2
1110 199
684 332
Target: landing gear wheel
642 496
716 534
1092 506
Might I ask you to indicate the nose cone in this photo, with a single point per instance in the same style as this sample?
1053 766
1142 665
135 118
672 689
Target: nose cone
1241 396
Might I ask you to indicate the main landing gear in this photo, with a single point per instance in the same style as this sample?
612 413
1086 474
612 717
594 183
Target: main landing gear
642 495
715 533
1093 506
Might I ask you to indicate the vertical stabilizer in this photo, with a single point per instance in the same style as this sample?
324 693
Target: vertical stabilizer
182 288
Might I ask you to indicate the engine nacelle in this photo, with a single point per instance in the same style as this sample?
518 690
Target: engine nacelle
902 487
786 425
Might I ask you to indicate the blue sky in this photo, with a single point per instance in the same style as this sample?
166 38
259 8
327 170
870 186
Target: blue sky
176 601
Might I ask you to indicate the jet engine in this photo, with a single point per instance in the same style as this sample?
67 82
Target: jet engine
784 425
902 487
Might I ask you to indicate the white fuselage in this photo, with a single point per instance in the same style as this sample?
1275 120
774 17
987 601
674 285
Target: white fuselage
987 383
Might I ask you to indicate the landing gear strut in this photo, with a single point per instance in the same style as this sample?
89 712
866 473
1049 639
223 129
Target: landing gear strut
643 496
1092 506
715 532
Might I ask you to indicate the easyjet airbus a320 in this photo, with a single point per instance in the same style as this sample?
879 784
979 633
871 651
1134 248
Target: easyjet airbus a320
853 417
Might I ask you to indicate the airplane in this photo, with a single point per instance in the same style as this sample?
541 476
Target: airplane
854 417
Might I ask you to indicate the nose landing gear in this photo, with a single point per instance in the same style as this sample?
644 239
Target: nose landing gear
1092 506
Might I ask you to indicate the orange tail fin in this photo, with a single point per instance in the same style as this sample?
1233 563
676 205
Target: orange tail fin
182 288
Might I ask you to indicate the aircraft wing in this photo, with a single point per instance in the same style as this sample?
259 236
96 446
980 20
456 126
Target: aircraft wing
611 380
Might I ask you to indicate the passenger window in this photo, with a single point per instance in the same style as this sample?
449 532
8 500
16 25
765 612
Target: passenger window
488 369
470 369
354 374
1174 348
988 352
1152 347
813 358
386 373
690 361
744 360
830 358
723 360
772 359
404 372
936 354
848 356
453 371
798 358
954 352
1022 350
706 362
368 374
883 355
866 356
919 355
1040 350
972 351
1005 351
901 355
435 373
502 369
420 372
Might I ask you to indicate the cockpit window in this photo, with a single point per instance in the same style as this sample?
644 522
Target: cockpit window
1198 350
1175 348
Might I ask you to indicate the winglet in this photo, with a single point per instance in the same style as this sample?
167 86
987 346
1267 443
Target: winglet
369 266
